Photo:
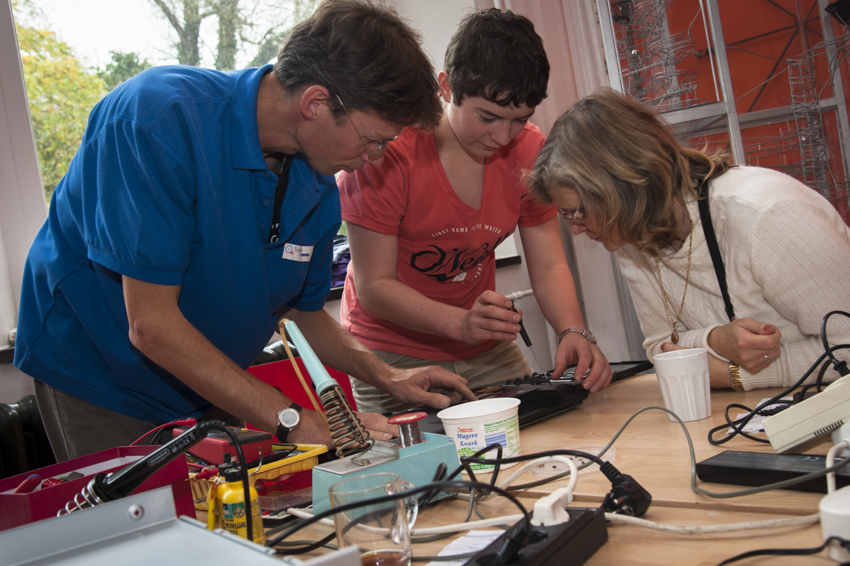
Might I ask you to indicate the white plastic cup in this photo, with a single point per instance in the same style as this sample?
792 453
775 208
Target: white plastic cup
684 382
478 424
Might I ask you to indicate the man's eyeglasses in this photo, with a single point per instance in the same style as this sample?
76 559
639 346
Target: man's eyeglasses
373 148
576 216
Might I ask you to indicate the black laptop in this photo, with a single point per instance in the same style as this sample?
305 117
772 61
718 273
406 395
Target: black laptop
541 396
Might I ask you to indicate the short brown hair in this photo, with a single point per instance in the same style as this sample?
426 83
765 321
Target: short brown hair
627 166
366 55
498 56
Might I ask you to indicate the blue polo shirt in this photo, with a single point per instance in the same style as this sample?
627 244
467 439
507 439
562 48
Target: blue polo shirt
170 186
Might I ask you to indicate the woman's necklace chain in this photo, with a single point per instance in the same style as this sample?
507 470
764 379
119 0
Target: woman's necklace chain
674 336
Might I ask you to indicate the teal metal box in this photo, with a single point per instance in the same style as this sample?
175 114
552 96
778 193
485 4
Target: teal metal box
417 464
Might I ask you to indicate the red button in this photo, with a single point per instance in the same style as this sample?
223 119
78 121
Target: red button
406 418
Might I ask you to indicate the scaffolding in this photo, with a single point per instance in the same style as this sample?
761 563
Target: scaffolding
807 111
652 55
643 56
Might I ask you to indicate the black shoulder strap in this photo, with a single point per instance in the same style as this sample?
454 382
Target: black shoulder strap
714 250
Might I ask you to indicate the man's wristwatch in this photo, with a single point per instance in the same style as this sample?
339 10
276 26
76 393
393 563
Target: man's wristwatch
588 335
288 420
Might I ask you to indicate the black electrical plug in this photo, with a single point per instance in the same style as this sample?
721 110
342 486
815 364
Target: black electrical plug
627 497
515 540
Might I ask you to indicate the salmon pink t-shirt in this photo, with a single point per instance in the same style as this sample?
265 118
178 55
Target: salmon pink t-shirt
445 246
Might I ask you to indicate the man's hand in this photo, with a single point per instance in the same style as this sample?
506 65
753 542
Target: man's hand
751 344
314 431
418 386
588 358
490 318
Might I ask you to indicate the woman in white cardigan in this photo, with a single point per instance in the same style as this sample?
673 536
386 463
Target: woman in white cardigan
618 174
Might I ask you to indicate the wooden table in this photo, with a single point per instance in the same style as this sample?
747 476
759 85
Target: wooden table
654 451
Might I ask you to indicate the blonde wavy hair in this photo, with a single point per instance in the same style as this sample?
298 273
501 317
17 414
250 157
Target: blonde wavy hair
626 165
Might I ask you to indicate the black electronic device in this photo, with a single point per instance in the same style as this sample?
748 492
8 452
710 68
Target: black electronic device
621 370
757 468
541 397
571 542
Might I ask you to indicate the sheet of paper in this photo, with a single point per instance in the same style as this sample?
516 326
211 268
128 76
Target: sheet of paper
755 425
473 541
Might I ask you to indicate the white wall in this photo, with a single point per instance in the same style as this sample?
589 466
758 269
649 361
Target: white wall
570 34
22 207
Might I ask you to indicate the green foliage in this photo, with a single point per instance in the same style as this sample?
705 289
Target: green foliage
62 91
61 94
123 66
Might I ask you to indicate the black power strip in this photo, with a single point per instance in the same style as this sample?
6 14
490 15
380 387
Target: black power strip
567 544
757 468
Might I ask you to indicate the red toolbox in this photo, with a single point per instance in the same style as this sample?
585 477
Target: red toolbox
45 502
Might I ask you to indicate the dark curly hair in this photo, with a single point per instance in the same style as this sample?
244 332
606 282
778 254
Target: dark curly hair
498 56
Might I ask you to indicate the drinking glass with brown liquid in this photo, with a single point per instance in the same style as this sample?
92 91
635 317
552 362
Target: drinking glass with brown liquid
380 530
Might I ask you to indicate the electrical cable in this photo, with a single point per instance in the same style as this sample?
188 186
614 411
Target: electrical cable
738 425
451 558
806 520
692 455
627 496
183 422
544 460
830 461
468 526
839 365
789 551
308 546
759 489
392 497
442 529
243 474
481 491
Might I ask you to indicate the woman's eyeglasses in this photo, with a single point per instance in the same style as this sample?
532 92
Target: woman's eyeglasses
576 216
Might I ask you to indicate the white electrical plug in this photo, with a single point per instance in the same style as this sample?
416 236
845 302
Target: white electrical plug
552 509
834 521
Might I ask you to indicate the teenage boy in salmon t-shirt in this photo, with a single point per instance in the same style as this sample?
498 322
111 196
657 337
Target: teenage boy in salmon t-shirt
420 288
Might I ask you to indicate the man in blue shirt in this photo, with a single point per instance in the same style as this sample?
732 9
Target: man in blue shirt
199 210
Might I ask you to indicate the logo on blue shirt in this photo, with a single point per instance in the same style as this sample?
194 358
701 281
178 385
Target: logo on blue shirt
296 252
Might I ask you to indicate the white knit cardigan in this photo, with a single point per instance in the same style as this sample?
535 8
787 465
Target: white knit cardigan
787 257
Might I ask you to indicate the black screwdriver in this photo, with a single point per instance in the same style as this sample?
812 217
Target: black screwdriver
527 341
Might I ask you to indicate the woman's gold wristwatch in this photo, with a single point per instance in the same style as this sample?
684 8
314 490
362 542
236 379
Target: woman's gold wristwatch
735 377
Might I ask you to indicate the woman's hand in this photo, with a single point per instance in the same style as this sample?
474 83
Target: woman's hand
718 370
750 344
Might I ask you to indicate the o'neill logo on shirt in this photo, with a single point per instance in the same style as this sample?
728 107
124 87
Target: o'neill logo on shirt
295 252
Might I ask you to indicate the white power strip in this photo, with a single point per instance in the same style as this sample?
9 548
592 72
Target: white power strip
821 414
